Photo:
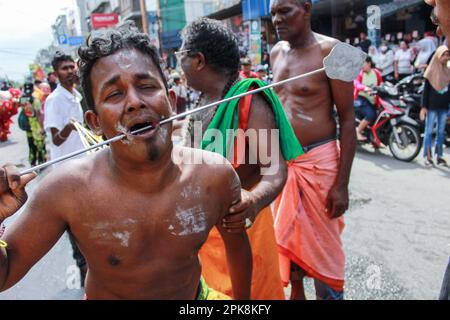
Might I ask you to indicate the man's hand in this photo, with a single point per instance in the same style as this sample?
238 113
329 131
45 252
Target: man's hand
423 114
12 190
337 201
239 212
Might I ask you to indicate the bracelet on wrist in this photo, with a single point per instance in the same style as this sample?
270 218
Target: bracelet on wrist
2 229
3 243
62 137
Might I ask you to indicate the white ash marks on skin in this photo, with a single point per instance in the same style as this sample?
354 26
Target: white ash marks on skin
123 237
122 130
191 192
163 132
190 221
105 232
123 59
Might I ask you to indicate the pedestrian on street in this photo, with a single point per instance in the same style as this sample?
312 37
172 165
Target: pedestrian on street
403 62
435 104
385 63
441 17
61 108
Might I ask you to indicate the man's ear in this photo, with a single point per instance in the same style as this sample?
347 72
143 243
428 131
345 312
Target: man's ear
91 119
173 101
308 8
200 61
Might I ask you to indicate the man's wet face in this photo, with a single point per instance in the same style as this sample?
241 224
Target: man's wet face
287 17
129 94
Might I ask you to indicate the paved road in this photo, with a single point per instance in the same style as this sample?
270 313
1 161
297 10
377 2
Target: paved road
397 237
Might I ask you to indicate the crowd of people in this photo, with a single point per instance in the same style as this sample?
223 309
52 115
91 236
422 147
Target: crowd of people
202 230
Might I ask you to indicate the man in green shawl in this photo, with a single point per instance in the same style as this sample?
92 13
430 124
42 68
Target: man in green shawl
254 134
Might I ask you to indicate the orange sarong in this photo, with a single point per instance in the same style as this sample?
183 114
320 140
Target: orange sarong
304 233
266 281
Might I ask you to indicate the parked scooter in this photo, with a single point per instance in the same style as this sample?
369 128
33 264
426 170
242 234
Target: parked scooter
393 127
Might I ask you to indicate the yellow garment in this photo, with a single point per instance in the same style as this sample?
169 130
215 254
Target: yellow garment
266 280
206 293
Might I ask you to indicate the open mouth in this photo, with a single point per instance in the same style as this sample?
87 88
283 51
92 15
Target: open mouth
140 129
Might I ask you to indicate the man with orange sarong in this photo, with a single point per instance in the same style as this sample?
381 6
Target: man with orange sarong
308 215
210 60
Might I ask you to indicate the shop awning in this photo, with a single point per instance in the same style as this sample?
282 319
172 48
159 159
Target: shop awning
388 9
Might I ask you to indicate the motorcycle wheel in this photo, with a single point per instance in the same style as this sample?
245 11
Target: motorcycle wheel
412 143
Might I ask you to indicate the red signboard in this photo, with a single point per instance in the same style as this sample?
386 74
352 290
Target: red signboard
104 20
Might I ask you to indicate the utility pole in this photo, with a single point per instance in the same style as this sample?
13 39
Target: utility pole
159 24
144 16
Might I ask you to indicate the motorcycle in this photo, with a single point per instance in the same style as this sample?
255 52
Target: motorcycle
411 90
393 127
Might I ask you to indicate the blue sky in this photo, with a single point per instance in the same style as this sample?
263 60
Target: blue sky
25 27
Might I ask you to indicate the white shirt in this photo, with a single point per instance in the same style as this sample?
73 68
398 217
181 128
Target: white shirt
404 59
386 63
61 106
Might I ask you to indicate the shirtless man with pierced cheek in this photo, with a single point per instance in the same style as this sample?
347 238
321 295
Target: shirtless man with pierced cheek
138 217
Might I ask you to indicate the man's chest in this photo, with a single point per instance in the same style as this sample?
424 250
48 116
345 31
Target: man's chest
287 66
135 225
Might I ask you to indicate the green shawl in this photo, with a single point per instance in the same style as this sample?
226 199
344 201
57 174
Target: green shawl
226 120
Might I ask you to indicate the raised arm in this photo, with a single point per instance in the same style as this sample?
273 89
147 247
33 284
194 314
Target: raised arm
37 228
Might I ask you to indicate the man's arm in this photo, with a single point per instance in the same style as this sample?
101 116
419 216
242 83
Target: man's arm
60 136
59 130
396 66
270 160
338 199
237 245
37 228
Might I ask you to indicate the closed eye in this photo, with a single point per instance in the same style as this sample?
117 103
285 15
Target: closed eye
147 87
113 95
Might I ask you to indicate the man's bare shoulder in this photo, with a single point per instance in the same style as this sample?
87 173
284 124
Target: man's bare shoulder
281 46
204 164
326 43
69 180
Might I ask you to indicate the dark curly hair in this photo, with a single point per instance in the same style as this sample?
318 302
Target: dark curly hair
217 43
107 42
60 57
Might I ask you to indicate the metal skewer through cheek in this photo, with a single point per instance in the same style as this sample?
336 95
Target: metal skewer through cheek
165 121
342 53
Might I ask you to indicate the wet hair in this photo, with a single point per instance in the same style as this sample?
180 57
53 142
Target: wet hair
104 43
217 43
59 58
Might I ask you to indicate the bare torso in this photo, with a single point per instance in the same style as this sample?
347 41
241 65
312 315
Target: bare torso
144 245
307 102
